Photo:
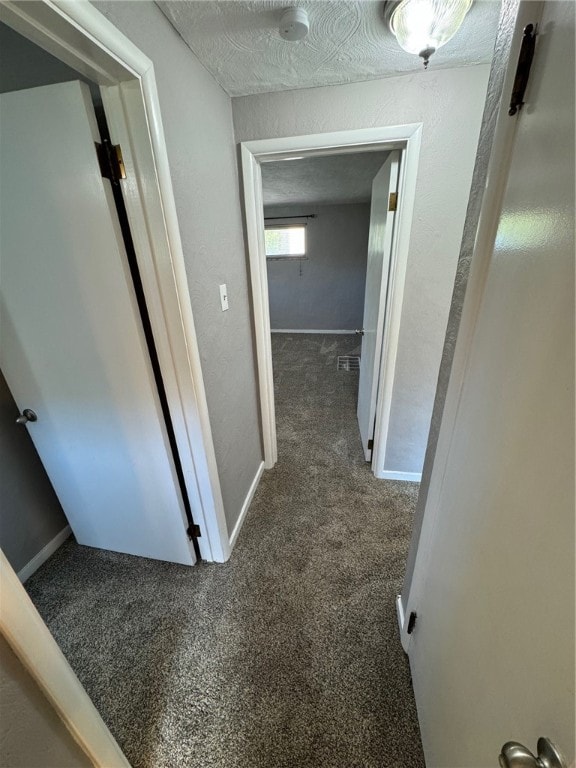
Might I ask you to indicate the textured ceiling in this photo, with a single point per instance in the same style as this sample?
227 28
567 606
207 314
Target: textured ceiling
332 179
238 42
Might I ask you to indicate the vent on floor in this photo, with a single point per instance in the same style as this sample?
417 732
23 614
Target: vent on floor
348 363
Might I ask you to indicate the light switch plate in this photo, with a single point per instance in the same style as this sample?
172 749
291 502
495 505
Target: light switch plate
224 297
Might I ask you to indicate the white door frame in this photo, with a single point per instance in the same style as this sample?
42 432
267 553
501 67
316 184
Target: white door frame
253 154
80 36
30 639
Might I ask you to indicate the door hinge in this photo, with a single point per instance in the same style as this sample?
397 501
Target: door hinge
411 622
370 444
194 531
111 161
393 201
523 69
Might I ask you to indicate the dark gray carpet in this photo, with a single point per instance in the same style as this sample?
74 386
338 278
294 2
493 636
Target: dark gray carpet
288 655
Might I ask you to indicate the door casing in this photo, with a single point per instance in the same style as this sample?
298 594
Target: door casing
406 138
80 36
23 628
488 186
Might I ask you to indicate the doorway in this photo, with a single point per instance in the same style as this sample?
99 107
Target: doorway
324 230
126 84
389 283
86 380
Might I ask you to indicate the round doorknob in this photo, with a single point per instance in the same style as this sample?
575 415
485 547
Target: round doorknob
27 415
515 755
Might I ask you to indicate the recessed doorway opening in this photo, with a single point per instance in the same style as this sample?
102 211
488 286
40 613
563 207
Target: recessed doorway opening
347 306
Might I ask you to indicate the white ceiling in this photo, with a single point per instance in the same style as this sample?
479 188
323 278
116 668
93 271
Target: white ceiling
331 179
238 42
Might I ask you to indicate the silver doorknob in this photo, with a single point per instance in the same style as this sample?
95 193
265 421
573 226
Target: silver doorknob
359 331
27 415
515 755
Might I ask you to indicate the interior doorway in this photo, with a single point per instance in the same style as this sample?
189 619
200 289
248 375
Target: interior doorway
114 67
329 234
65 360
386 160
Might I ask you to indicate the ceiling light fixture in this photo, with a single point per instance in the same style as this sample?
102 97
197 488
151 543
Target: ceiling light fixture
423 26
294 24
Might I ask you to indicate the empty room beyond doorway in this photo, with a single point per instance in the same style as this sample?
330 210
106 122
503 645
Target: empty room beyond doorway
329 237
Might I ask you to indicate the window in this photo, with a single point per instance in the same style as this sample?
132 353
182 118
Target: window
286 242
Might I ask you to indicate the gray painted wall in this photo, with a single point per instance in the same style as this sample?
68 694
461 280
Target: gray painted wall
31 731
30 513
326 290
449 103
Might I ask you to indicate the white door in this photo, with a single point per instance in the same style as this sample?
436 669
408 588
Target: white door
492 652
71 343
378 266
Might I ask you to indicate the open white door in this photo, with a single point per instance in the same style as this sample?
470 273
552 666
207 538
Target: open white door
382 215
72 347
492 651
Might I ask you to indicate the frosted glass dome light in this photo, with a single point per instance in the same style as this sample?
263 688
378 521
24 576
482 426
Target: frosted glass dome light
423 26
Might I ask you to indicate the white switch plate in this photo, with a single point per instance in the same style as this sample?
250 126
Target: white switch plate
224 297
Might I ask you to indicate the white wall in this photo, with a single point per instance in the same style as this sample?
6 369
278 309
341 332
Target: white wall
449 103
197 120
326 290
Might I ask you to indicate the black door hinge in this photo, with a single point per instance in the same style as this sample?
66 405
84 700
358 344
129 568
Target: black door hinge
111 161
411 623
194 531
523 69
370 444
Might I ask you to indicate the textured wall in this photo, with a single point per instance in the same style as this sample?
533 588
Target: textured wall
197 120
30 513
449 103
31 732
325 291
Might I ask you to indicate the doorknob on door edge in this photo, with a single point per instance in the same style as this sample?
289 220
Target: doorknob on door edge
515 755
27 415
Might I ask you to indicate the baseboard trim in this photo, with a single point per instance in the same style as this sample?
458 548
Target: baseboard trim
46 552
246 505
309 330
400 614
409 477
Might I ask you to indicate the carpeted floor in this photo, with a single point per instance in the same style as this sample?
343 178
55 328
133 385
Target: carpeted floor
285 657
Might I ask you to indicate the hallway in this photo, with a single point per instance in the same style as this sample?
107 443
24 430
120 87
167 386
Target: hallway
287 656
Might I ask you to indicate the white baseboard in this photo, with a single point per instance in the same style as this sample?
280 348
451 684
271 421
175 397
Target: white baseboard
46 552
410 477
246 505
400 614
308 330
